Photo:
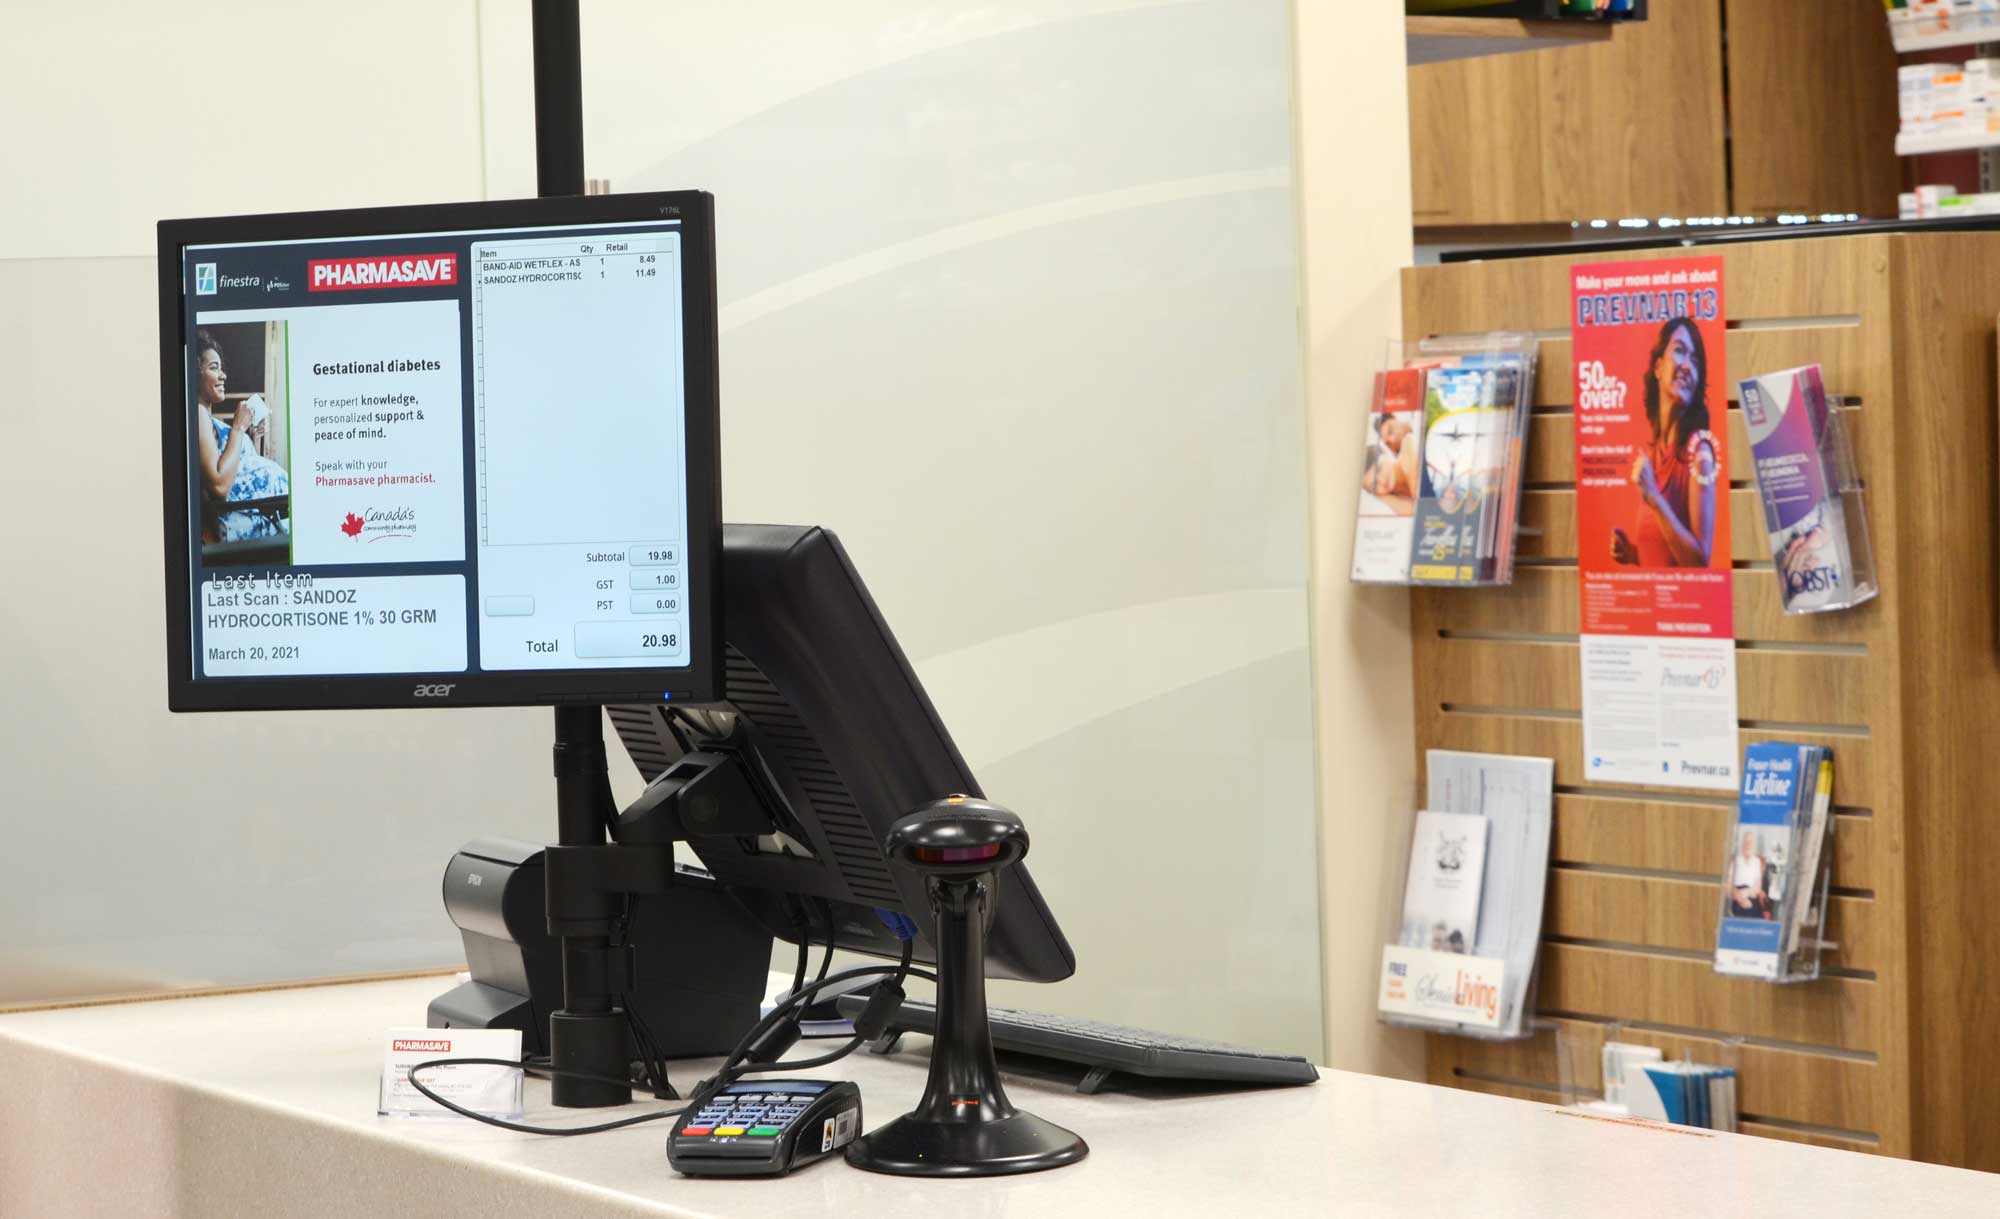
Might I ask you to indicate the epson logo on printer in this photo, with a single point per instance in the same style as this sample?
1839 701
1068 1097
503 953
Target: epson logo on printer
399 1045
442 690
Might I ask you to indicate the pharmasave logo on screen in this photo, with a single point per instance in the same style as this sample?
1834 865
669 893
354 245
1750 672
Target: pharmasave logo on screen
397 271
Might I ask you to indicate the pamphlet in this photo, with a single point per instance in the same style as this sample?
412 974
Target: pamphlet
492 1090
1684 1093
1774 860
1820 549
1469 422
1391 473
1442 462
1517 796
1616 1057
1441 898
1805 912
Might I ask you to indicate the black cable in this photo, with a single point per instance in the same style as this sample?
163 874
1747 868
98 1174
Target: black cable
652 1056
730 1072
727 1074
826 961
652 1061
803 1064
803 925
517 1127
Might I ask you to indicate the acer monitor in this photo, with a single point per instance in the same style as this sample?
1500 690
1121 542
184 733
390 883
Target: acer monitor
442 455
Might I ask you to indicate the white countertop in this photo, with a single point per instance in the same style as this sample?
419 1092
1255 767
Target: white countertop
264 1104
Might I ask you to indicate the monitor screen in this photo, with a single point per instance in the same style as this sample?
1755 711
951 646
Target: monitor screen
442 455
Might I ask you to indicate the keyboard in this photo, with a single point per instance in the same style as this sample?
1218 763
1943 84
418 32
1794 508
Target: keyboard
1107 1049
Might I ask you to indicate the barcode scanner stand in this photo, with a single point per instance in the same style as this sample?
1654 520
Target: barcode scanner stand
964 1126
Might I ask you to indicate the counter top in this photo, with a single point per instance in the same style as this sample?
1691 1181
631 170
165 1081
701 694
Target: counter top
264 1103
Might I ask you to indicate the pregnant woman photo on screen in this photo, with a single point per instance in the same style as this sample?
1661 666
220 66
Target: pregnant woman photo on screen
233 466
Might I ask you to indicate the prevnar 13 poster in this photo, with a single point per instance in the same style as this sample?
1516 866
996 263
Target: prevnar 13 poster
1652 523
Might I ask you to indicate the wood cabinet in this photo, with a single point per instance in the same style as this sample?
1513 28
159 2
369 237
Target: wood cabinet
1648 124
1812 109
1889 1050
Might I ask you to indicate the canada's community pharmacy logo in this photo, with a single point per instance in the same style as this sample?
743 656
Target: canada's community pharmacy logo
204 279
381 523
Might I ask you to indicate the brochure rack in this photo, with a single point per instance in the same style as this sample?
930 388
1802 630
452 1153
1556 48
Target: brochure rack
1810 489
1596 1061
1814 944
1777 871
1888 1050
1459 953
1441 475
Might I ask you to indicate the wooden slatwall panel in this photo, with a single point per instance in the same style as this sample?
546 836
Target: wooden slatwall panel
1633 892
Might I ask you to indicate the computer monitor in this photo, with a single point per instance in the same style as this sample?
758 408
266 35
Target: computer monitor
826 717
442 455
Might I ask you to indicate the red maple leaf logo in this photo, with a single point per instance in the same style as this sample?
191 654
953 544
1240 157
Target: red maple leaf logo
351 526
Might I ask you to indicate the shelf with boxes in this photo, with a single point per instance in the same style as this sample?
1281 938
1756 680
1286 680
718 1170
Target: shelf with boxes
1930 25
1947 107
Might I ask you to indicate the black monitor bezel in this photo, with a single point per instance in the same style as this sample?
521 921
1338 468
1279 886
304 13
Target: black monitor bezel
695 682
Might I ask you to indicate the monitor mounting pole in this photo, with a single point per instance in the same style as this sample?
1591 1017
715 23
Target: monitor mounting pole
558 99
588 1033
587 877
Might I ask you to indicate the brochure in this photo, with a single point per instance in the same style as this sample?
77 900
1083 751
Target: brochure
1516 795
1469 420
1812 502
1441 898
1684 1093
1391 473
1442 460
1777 852
1462 958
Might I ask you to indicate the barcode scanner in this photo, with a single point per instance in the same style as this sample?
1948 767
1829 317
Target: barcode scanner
964 1126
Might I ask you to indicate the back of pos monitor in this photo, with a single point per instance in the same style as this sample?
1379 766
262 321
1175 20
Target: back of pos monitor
839 739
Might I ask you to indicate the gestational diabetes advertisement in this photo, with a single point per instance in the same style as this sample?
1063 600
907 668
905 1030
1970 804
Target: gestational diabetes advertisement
1652 523
438 453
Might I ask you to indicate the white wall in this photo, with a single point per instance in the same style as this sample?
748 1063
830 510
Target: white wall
1354 209
122 112
142 850
1010 301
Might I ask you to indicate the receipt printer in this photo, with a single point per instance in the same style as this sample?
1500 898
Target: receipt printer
702 961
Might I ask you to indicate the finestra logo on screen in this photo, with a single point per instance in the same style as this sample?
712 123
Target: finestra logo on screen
393 271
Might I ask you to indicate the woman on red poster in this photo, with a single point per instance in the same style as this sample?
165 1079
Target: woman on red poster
1675 473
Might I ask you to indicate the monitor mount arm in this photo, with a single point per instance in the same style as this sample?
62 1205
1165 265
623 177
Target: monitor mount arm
591 882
